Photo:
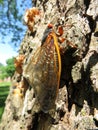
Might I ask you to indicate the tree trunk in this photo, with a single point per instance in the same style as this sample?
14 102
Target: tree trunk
76 106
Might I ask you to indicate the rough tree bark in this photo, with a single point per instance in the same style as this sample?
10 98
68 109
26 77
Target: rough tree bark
77 101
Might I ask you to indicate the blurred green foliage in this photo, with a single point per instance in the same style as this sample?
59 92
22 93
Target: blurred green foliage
1 1
8 70
4 90
12 29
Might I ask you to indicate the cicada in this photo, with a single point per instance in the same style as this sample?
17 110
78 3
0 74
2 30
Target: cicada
43 72
18 63
29 17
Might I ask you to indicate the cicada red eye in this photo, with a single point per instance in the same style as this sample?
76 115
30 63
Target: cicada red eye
50 25
60 30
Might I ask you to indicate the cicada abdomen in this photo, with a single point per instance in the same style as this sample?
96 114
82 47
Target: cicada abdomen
43 72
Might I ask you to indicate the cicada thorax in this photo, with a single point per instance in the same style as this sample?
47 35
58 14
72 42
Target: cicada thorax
44 73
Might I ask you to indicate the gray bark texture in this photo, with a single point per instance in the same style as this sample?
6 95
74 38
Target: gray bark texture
76 105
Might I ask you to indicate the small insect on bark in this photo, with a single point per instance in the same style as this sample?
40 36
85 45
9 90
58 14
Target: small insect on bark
43 72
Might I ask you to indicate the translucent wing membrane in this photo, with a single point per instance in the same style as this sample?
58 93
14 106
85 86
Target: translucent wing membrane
44 72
